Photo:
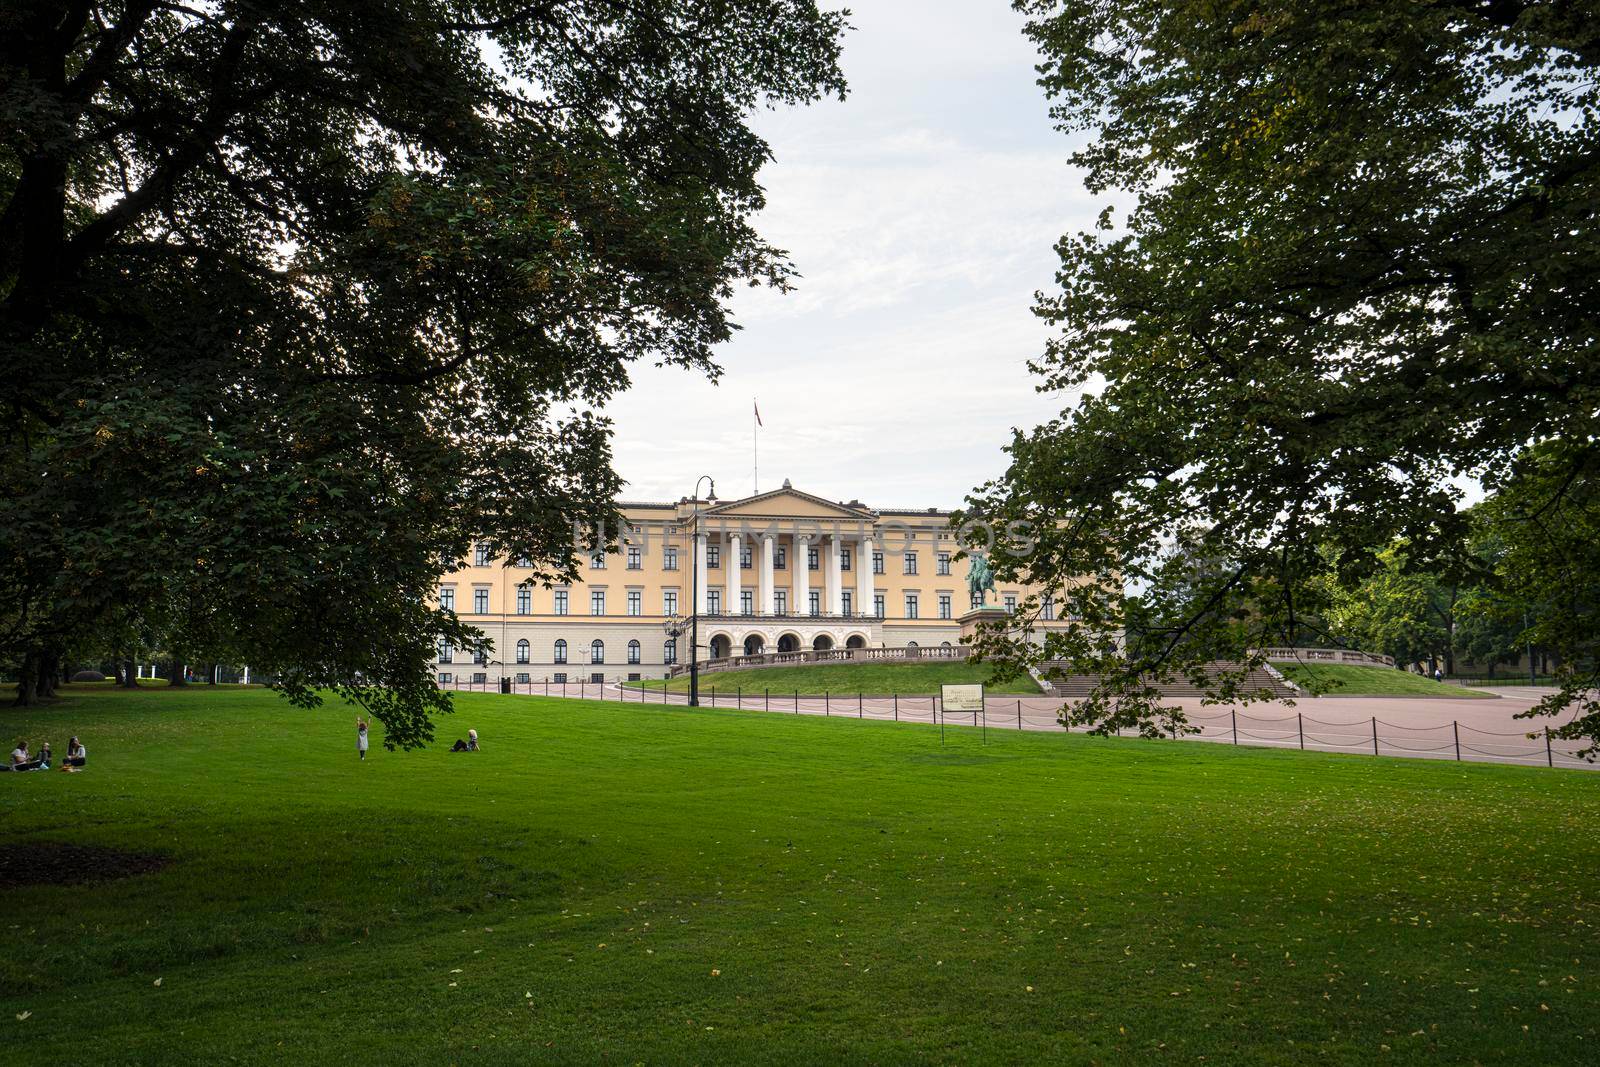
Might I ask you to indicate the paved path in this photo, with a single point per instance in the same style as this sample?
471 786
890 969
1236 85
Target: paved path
1471 729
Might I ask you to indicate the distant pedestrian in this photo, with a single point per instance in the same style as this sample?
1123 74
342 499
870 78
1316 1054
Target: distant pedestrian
361 737
1438 675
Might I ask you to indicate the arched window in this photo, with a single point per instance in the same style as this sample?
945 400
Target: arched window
561 651
633 652
944 644
522 651
911 646
597 651
669 651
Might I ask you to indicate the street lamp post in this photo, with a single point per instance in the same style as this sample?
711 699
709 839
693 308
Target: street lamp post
694 603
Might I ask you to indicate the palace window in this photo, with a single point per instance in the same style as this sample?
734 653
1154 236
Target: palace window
844 559
561 650
780 558
597 651
480 656
713 601
524 561
908 563
846 601
480 601
911 605
633 652
877 563
780 601
447 597
522 651
669 651
522 677
447 654
480 678
635 602
524 600
816 603
597 602
635 558
745 556
713 556
598 677
560 678
480 555
561 601
813 562
944 605
942 563
669 602
877 604
1011 603
598 561
977 600
1047 608
446 679
747 602
669 558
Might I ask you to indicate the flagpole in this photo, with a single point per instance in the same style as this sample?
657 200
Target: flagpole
755 448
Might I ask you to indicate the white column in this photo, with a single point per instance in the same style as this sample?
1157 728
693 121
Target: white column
835 575
799 559
731 562
768 603
700 579
246 674
864 577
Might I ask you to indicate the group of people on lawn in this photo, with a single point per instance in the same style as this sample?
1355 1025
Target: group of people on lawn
24 760
469 745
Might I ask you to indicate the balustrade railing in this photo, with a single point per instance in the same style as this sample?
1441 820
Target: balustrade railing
907 654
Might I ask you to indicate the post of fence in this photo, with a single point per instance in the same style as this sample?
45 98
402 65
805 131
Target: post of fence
897 707
797 701
858 703
827 708
547 685
766 700
713 696
1374 735
1549 754
1019 713
1233 716
1300 724
1455 727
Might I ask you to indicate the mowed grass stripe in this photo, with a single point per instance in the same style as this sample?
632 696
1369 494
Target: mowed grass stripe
866 894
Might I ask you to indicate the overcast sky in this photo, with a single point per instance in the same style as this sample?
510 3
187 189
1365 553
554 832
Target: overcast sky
921 213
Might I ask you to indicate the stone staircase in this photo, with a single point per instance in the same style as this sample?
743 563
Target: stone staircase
1077 686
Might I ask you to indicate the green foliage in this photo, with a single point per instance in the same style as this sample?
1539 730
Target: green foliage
639 884
1361 267
1346 679
298 301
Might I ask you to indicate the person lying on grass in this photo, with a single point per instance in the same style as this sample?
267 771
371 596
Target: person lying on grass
469 745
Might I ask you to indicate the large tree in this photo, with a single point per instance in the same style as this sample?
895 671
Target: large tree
1359 270
298 300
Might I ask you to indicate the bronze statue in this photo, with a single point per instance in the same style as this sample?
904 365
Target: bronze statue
980 577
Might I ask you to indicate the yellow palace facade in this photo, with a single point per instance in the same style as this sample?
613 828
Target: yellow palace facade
779 571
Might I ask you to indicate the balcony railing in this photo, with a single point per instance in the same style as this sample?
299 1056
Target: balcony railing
796 616
907 654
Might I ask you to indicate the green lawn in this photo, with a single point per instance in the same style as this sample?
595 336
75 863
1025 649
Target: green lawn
872 679
1371 681
626 883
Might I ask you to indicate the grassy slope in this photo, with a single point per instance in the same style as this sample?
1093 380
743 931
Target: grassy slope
570 893
873 679
1371 681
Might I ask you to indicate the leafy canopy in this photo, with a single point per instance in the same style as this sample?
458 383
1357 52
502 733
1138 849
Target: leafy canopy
1361 269
297 301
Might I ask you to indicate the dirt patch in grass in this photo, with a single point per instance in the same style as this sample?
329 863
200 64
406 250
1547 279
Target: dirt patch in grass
58 863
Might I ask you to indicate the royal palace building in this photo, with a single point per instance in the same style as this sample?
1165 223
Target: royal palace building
777 572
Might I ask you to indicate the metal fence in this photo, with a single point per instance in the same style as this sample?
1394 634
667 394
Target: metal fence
1370 736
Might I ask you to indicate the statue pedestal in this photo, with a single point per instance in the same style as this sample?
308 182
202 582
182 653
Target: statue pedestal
988 613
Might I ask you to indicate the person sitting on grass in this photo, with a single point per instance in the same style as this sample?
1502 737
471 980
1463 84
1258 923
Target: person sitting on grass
19 756
472 740
77 755
44 757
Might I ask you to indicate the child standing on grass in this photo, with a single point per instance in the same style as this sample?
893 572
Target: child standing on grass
361 736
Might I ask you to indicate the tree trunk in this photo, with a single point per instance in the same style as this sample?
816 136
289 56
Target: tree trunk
176 677
130 674
211 679
47 669
27 682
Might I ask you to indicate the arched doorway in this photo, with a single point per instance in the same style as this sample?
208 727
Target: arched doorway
822 643
788 643
720 646
855 641
754 644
